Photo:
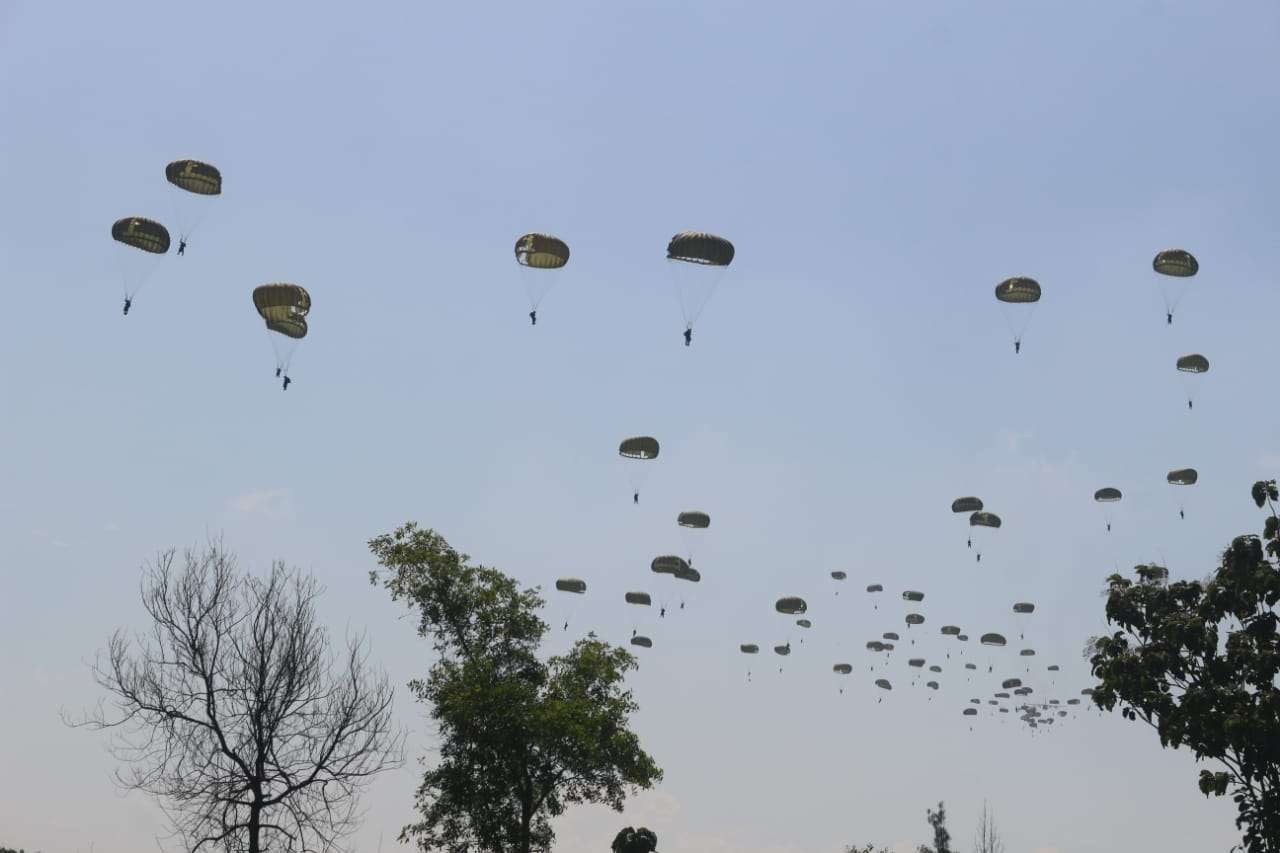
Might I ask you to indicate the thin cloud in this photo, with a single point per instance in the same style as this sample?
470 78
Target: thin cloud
268 502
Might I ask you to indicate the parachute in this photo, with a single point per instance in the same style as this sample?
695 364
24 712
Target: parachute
932 685
669 564
1018 297
1104 497
890 635
804 623
951 630
1178 266
1053 667
971 666
571 585
540 256
915 619
838 575
971 712
749 648
1027 653
197 183
690 523
1073 701
1192 367
698 262
641 598
284 308
935 668
1010 683
791 605
1183 477
783 650
842 668
912 595
641 640
992 640
883 684
144 235
1002 695
875 646
875 587
1024 607
966 504
981 520
642 448
964 638
916 662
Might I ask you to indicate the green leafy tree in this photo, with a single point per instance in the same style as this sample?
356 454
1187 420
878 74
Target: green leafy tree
630 840
520 738
1171 666
941 838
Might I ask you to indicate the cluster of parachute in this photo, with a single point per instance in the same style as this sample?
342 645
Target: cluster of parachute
283 307
698 262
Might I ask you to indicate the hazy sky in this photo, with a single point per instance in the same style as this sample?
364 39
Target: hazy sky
879 169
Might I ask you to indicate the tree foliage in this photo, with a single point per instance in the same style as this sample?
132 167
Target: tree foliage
987 839
234 715
631 840
1198 661
520 738
941 838
869 848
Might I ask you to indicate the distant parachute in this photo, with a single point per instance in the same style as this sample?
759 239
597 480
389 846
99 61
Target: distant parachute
971 666
1107 495
694 519
992 640
791 605
1024 607
883 684
1183 477
842 668
964 638
641 640
804 623
966 504
1053 667
915 619
198 182
540 257
951 630
875 587
916 662
838 575
283 307
1192 367
749 648
669 564
641 448
571 585
1018 297
783 650
935 668
1178 265
875 646
1027 653
146 236
698 262
890 635
1010 683
912 595
982 520
971 712
640 598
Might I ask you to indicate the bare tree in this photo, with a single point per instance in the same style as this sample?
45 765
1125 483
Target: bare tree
235 714
988 838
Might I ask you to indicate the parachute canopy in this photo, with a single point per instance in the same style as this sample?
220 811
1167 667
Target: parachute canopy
145 234
1018 290
1053 667
279 302
791 605
804 623
883 684
1024 607
842 668
984 519
1176 262
912 595
1183 477
992 640
971 712
669 564
966 504
964 638
296 328
951 630
935 668
194 177
749 648
875 587
916 662
1193 363
1107 495
971 666
890 635
915 619
689 574
571 585
1010 683
694 519
875 646
639 598
541 251
642 640
838 575
1027 653
783 650
639 447
696 247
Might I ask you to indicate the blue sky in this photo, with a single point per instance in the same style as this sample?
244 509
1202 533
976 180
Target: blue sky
879 170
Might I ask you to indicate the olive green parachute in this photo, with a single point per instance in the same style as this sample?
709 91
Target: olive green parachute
971 666
912 595
966 504
916 662
1027 653
783 650
696 247
1107 495
1053 701
1003 710
984 519
1176 262
888 647
639 598
571 585
791 605
194 177
541 251
639 447
951 630
971 712
1183 477
641 640
890 635
749 648
669 564
1193 363
145 234
281 301
875 646
804 623
915 619
838 575
935 668
992 640
1024 607
1018 290
964 638
1002 695
842 668
688 574
1010 683
883 684
1053 667
1073 701
693 519
296 329
875 587
976 701
932 685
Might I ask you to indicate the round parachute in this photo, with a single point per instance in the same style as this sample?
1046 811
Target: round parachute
1183 477
1073 701
916 662
689 574
1088 691
1053 667
1018 290
1010 683
791 605
966 504
1176 262
932 685
890 635
641 598
838 575
541 251
194 177
935 668
1193 363
875 587
951 630
912 595
971 666
640 447
693 519
571 585
1027 653
749 648
145 234
992 640
295 329
696 247
971 712
964 638
1002 695
842 668
669 564
875 646
281 301
1024 607
1107 495
883 684
783 650
804 623
915 619
642 641
984 519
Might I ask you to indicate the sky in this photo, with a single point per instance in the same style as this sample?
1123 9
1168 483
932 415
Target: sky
878 167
